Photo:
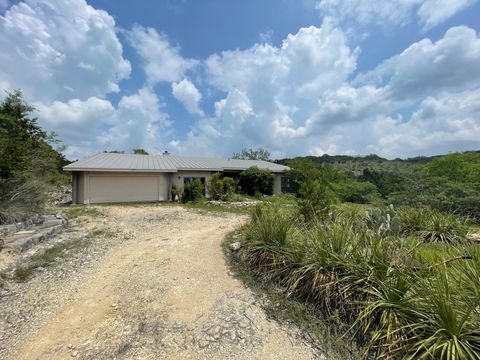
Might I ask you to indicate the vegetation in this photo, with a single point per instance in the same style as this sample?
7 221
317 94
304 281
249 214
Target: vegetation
193 190
57 251
30 160
255 181
251 154
448 183
140 152
220 188
377 274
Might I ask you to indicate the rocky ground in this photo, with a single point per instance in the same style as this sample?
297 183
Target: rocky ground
151 282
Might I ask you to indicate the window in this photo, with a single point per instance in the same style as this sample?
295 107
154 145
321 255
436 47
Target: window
285 184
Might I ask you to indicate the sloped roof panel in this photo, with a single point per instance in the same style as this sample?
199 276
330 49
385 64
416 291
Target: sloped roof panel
165 163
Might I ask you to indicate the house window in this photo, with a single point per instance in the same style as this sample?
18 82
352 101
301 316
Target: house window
285 184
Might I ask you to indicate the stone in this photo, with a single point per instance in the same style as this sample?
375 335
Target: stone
235 246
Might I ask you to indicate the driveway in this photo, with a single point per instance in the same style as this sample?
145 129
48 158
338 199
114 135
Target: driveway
158 289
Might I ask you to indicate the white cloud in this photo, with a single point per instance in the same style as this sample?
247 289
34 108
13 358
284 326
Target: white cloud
162 61
137 121
300 97
75 119
434 12
430 13
57 50
140 123
186 92
451 63
439 125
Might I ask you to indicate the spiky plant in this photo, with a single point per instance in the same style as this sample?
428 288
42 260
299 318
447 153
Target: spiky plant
445 325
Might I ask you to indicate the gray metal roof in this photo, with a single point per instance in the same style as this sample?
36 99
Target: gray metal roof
165 163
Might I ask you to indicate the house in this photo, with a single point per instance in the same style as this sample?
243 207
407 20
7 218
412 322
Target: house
112 177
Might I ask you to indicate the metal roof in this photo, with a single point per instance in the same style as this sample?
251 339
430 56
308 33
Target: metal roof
165 163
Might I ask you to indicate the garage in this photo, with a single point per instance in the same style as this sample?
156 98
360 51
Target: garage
126 188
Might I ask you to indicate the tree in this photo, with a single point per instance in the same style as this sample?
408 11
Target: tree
255 181
114 152
28 162
251 154
140 152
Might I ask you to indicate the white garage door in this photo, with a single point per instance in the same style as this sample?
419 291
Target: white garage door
127 188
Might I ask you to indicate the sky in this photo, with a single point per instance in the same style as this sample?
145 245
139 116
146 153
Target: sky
399 78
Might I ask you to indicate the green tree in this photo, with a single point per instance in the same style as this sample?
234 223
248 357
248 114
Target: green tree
140 152
29 163
251 154
255 181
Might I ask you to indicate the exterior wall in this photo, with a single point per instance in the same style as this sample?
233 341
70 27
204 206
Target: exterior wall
178 178
277 184
81 188
84 191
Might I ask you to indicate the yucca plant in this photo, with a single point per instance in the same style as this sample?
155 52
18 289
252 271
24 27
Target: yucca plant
445 325
433 225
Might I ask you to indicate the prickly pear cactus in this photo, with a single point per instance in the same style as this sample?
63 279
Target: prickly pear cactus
383 221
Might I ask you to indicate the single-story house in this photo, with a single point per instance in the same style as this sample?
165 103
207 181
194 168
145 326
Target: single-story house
113 177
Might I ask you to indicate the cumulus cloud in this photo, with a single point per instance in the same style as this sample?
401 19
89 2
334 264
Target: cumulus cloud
161 60
450 63
58 50
140 122
301 97
76 119
96 125
430 13
186 92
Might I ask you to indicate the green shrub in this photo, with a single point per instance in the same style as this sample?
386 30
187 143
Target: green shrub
220 188
316 198
193 191
433 225
398 302
255 181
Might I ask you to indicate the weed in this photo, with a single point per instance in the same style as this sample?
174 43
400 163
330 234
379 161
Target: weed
76 212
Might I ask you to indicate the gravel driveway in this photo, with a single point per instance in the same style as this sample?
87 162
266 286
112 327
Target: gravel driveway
159 288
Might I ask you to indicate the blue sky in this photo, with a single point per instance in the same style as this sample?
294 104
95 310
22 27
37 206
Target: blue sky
394 77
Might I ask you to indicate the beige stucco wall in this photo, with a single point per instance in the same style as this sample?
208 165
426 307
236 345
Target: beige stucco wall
277 184
149 187
178 178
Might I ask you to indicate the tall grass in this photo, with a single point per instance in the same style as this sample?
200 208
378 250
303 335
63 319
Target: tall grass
400 295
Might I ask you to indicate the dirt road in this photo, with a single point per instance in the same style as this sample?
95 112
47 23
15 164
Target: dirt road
163 292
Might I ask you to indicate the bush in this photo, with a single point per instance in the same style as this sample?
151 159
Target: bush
433 225
193 191
220 188
396 305
255 181
316 197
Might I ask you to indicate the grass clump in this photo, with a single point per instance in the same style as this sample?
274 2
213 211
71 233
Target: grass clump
57 251
399 293
75 212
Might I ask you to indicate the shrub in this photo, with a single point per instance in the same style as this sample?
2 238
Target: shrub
193 191
396 304
254 181
220 188
316 197
433 225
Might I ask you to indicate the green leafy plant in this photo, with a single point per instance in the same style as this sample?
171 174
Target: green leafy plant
255 181
193 191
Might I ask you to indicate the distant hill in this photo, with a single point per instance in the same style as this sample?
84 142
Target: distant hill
356 164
